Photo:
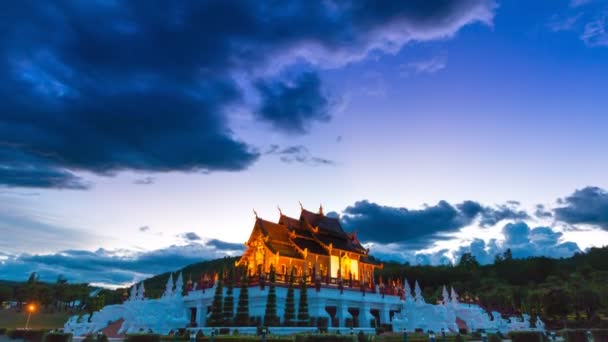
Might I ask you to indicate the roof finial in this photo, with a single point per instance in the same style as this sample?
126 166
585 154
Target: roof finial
280 211
321 209
301 206
255 213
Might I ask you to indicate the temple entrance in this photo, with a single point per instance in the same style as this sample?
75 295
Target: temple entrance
354 312
331 311
193 317
376 314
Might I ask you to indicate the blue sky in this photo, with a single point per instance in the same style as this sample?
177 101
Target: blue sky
136 138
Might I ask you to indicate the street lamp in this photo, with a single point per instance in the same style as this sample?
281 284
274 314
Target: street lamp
31 308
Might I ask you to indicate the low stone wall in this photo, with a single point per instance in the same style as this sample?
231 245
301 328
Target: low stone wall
283 330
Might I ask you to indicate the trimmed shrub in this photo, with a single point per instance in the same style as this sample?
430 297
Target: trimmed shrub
303 315
217 314
27 335
142 338
271 318
58 337
323 338
242 310
494 338
290 305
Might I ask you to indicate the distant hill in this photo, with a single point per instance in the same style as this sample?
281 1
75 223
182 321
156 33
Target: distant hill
155 286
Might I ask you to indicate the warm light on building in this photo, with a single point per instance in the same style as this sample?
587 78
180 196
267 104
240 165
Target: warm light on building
314 246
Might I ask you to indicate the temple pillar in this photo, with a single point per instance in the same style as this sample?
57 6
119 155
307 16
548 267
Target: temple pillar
342 314
365 315
385 314
201 315
316 305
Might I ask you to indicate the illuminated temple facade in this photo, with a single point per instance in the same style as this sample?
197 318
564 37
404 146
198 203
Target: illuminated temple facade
314 246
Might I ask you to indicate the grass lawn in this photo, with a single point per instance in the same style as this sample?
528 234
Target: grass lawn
10 319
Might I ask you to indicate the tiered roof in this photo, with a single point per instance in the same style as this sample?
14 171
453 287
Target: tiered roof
312 233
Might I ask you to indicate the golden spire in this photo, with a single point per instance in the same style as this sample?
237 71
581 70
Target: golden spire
301 206
255 213
280 211
321 209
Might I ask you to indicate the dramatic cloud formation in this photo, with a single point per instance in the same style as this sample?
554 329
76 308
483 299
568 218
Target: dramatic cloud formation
110 86
518 237
111 267
585 206
293 105
297 154
418 228
523 242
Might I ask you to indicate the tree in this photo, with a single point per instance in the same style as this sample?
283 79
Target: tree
290 309
242 309
229 300
303 316
95 304
270 316
557 302
468 261
216 318
587 300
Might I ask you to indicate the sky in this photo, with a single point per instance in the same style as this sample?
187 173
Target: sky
139 137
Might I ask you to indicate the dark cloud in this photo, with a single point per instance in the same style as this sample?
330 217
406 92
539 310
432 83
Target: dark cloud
144 181
110 267
22 169
227 246
297 154
293 105
385 224
144 229
585 206
109 86
191 236
541 212
418 228
522 240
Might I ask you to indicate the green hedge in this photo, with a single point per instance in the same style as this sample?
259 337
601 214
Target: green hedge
58 337
27 335
323 338
142 338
